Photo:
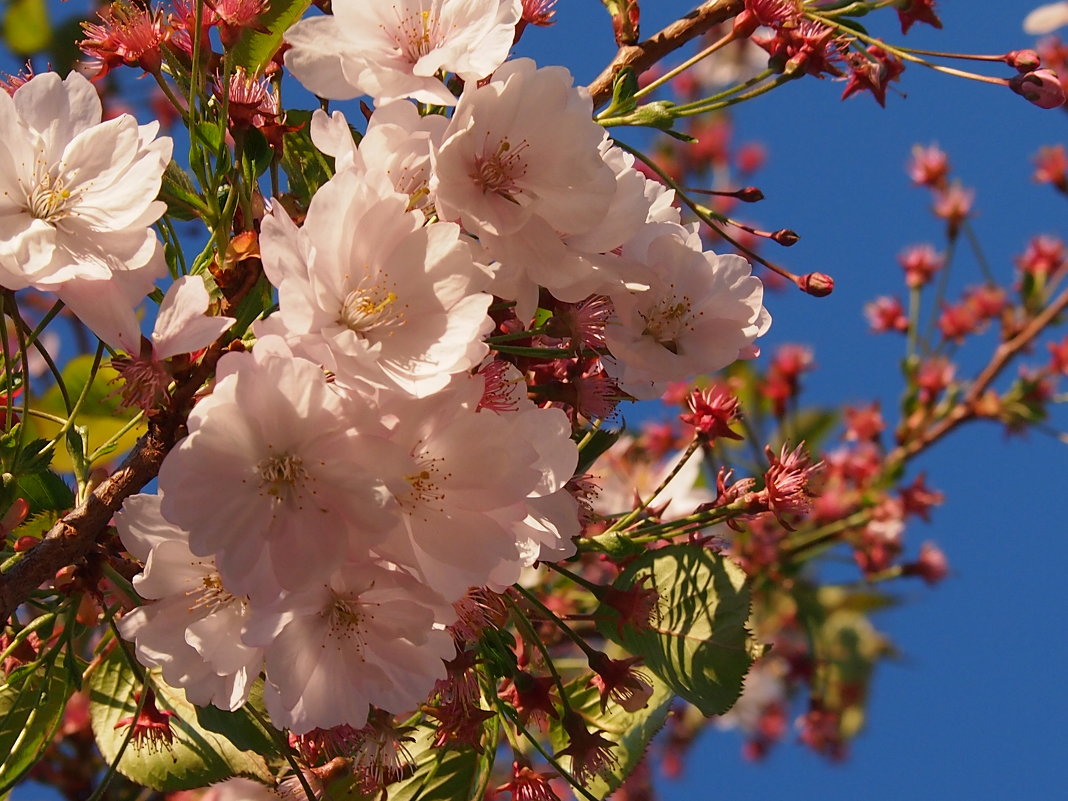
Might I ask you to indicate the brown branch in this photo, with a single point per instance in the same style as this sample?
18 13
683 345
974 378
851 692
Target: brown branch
641 56
968 407
73 536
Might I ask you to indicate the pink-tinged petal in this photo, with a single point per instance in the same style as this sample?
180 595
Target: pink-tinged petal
141 526
332 135
1046 18
58 108
281 247
27 250
317 54
106 306
181 326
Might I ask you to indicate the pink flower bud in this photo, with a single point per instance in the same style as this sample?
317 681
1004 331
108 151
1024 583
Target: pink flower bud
819 285
1042 87
1023 60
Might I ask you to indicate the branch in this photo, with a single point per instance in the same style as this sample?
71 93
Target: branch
968 407
641 56
73 536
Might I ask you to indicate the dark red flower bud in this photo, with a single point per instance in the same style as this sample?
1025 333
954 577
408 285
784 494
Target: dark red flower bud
819 285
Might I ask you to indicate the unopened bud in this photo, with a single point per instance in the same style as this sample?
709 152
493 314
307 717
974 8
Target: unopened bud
1023 60
1041 87
786 237
819 285
749 194
23 544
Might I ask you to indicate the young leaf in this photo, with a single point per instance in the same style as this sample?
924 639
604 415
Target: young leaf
257 46
180 194
31 708
441 774
197 756
44 492
699 643
27 30
306 167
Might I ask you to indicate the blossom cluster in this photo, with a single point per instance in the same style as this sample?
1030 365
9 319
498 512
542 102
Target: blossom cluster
368 455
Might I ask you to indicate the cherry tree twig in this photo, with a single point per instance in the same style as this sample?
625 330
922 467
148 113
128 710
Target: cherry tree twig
639 57
968 407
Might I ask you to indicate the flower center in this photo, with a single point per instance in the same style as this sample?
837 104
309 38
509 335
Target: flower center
348 619
667 320
499 170
211 595
417 35
367 311
50 199
281 476
425 485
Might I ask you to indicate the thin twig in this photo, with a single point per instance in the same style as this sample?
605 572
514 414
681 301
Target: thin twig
641 56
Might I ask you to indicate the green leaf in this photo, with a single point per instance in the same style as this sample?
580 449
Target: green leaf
596 445
31 708
255 48
699 645
197 756
44 492
258 152
624 88
305 166
27 29
32 460
180 194
240 727
630 731
100 414
441 774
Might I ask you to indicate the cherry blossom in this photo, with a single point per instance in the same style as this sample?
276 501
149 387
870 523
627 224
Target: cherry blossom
273 479
401 48
181 327
193 630
700 313
370 292
519 147
370 634
77 197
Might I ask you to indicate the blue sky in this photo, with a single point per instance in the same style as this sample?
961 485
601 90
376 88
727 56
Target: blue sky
973 708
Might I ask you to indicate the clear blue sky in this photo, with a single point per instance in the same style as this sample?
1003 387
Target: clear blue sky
974 708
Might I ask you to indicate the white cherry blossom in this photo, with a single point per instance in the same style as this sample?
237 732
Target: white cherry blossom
401 48
374 295
77 197
191 626
274 479
700 313
461 483
523 146
367 634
